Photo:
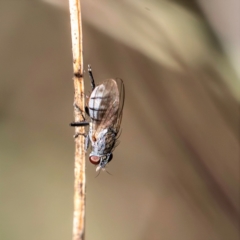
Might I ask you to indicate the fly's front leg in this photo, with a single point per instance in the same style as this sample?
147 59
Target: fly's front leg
79 134
87 141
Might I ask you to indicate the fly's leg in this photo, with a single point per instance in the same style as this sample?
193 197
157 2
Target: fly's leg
92 84
79 110
79 134
87 141
81 123
91 76
87 110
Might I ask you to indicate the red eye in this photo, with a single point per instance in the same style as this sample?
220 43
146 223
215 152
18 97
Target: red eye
94 160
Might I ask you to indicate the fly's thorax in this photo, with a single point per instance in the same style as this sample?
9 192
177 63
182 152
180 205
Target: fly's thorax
103 143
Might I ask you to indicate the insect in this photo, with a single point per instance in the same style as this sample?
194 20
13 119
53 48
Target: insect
105 109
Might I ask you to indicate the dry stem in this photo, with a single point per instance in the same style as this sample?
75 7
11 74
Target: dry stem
79 168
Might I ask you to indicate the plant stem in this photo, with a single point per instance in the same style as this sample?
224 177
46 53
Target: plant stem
79 168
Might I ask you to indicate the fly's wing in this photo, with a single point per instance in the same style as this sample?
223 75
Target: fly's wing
106 105
121 91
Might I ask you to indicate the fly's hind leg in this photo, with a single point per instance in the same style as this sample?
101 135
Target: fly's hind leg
92 84
87 110
91 76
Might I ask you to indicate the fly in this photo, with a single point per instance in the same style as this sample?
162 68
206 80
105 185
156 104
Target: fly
105 109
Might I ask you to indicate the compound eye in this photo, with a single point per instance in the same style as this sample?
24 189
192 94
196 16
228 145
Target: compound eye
110 157
94 159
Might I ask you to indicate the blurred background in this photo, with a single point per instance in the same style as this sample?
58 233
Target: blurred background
176 170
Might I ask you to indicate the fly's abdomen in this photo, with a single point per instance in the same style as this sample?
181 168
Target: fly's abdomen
98 103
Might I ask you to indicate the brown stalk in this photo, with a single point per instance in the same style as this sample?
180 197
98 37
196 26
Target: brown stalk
79 167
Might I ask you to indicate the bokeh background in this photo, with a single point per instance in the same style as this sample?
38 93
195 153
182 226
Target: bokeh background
176 170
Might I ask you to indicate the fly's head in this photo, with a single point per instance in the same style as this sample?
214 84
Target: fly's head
101 161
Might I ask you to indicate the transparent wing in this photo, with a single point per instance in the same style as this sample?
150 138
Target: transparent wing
121 90
106 105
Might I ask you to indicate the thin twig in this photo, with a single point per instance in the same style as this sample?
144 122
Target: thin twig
79 168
